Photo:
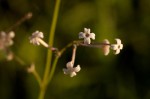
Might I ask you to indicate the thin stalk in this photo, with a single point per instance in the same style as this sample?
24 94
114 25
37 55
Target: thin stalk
24 18
100 45
53 68
73 53
37 77
77 42
19 60
49 54
51 38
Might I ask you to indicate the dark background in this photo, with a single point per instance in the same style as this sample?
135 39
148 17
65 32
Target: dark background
123 76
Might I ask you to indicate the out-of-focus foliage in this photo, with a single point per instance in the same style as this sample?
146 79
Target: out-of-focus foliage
125 76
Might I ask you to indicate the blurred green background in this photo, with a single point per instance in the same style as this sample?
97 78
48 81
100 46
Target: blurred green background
123 76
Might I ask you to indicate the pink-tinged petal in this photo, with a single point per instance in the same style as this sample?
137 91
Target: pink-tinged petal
92 36
2 34
69 65
106 48
118 41
87 41
72 74
77 69
81 35
106 41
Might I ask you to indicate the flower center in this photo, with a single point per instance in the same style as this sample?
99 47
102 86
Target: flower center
119 46
87 34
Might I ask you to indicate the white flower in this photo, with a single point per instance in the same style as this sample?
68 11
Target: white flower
36 39
106 47
6 39
71 70
117 47
87 36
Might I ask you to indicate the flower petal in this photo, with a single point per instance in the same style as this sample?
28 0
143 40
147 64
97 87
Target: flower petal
121 46
65 71
105 47
81 35
40 35
117 51
72 74
77 69
86 30
2 34
92 36
118 41
87 41
11 34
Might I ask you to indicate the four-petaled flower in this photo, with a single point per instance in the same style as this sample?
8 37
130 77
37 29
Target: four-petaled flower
106 47
36 39
87 36
6 39
117 47
71 70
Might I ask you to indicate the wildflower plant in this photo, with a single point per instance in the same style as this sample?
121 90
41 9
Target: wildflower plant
37 38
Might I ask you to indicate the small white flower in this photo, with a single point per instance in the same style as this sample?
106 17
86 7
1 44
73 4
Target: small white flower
87 36
6 39
71 70
36 39
117 47
106 47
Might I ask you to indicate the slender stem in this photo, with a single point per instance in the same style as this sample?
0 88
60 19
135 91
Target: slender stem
49 54
99 45
53 68
37 77
19 60
24 18
51 38
64 49
74 54
42 93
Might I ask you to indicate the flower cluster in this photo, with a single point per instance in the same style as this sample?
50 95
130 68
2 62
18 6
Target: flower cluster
37 39
105 45
6 39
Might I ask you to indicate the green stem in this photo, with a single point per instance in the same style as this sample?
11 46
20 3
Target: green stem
49 54
19 60
53 68
77 42
37 77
